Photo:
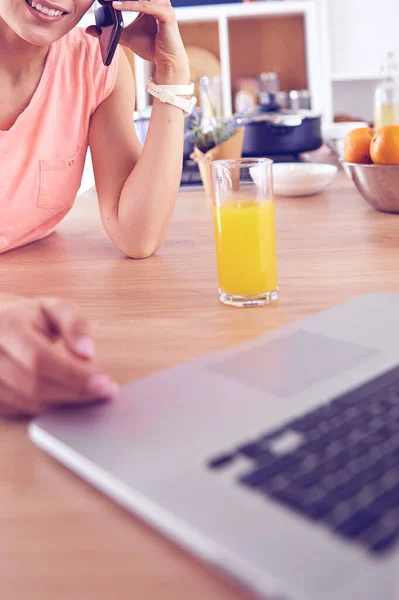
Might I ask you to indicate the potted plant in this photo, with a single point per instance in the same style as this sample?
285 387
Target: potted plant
214 139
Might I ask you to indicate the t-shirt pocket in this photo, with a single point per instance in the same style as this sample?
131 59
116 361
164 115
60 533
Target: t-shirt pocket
59 181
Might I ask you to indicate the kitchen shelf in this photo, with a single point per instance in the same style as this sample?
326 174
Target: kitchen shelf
246 9
197 14
224 24
278 38
337 77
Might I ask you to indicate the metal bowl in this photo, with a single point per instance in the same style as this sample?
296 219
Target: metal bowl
378 184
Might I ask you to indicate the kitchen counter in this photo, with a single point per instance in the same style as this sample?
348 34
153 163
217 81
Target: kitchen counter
61 539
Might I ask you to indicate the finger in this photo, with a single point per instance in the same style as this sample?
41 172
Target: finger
65 321
9 412
12 405
33 394
54 364
164 13
43 360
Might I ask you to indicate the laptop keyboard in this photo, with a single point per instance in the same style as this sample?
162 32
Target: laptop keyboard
337 465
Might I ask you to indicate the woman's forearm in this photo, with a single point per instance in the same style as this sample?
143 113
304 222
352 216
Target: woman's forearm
6 299
149 194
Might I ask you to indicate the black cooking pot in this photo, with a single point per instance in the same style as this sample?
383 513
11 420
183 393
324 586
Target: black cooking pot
279 133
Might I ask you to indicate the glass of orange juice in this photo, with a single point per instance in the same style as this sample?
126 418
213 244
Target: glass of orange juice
245 231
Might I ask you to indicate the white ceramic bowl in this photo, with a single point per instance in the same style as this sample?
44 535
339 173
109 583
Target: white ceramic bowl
298 179
334 134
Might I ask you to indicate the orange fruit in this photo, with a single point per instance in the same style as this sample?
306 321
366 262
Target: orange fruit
357 146
384 147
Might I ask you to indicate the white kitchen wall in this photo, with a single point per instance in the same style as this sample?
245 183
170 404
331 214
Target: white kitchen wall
354 98
361 31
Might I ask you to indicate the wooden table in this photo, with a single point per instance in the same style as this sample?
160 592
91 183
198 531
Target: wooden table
59 538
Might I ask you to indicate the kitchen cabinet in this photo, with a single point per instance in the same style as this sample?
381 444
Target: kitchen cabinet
360 32
268 43
252 37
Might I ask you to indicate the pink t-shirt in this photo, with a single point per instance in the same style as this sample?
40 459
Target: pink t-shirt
43 154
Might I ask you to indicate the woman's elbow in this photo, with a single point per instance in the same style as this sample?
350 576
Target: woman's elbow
139 253
140 249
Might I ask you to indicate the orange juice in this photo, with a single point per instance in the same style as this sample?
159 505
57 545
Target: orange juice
246 247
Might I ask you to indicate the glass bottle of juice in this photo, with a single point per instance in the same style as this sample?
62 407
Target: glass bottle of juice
386 96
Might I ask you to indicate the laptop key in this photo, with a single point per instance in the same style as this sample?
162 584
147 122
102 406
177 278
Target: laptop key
377 437
303 425
253 450
270 435
357 449
270 470
334 464
384 539
387 500
279 482
293 497
385 543
304 501
310 479
342 493
320 508
357 523
317 447
310 421
220 461
365 477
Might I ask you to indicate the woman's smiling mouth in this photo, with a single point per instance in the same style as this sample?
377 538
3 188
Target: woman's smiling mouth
45 11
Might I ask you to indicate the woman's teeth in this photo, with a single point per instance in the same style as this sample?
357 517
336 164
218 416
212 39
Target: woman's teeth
51 12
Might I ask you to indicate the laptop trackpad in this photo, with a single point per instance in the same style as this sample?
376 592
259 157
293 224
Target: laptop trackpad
288 365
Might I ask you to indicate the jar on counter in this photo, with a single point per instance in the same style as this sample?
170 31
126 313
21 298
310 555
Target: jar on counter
305 100
386 95
299 99
282 99
246 97
269 85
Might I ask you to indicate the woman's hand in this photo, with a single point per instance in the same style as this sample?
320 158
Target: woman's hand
155 36
36 372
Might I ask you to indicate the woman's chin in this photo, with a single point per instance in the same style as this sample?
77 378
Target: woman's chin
39 33
39 38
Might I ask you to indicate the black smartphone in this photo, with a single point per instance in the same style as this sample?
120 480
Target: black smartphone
110 22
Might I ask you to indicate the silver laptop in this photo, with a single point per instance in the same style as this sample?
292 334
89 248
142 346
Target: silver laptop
277 461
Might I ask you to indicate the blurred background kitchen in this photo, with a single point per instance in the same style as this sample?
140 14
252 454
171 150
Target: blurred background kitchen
298 74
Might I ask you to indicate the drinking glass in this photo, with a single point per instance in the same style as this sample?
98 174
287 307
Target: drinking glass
245 231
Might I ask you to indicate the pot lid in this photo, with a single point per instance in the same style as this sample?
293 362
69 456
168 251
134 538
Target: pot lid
281 118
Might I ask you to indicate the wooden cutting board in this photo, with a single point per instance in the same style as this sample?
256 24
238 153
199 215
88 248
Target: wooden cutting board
202 62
